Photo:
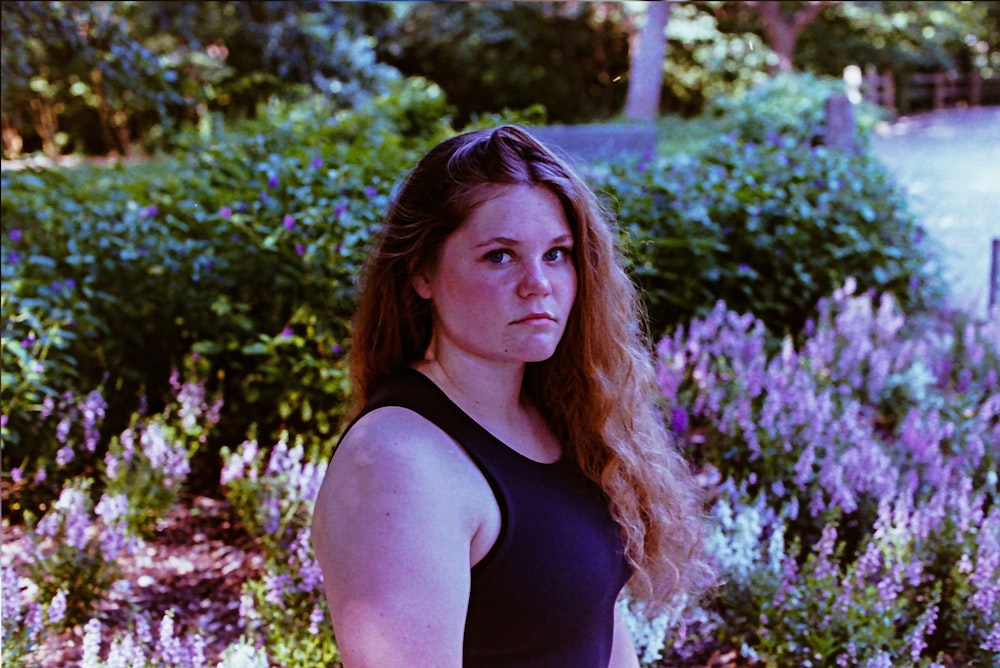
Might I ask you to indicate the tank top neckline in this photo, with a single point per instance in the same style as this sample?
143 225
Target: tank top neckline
428 381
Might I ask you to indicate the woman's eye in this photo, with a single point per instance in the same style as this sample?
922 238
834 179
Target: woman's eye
497 256
557 254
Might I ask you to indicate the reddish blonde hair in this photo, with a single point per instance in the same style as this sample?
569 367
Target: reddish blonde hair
597 389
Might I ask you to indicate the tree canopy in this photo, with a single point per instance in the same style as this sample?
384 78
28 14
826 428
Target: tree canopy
98 77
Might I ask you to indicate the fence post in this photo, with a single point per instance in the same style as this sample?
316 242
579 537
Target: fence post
939 90
870 85
840 130
995 275
890 90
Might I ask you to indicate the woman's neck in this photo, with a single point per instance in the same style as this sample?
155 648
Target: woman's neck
485 391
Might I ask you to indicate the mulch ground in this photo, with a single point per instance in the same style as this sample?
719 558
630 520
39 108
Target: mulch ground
195 564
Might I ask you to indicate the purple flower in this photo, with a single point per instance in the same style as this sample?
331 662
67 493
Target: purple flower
70 284
57 608
4 418
225 212
168 645
264 197
13 258
340 210
65 455
370 192
679 420
317 162
276 587
12 604
15 235
316 617
286 332
336 349
288 221
91 643
272 181
15 474
300 250
149 211
236 238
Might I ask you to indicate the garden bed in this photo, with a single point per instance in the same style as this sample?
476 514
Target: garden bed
195 565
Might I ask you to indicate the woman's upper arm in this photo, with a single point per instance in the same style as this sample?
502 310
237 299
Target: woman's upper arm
623 654
394 548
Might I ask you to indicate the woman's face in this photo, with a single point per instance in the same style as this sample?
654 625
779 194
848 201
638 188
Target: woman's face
505 281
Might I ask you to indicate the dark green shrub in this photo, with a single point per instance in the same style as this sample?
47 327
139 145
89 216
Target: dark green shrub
769 228
493 56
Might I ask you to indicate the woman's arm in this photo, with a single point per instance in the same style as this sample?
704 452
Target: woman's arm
392 532
623 654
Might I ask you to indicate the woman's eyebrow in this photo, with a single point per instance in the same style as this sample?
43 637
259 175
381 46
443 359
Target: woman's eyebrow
562 239
506 241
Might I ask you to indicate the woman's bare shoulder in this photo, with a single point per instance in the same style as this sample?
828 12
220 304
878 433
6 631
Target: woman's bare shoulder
398 460
393 437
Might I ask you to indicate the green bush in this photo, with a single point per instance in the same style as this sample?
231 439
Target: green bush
791 105
243 249
767 227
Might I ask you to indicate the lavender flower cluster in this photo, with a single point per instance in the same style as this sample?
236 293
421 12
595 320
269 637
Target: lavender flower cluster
69 558
856 521
278 496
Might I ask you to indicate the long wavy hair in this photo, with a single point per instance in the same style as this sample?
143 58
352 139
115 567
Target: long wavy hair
598 388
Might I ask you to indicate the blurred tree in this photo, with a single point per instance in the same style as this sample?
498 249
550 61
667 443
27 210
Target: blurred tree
896 35
902 36
647 49
94 76
783 22
706 61
569 57
76 58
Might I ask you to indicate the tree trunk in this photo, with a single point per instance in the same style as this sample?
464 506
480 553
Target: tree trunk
647 50
13 143
783 30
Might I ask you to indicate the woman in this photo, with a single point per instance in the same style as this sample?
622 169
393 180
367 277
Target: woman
507 474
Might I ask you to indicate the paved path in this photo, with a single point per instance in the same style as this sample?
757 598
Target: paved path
948 162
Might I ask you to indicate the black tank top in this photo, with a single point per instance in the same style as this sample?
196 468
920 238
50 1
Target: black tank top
544 595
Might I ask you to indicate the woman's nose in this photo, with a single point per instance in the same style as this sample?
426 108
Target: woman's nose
535 280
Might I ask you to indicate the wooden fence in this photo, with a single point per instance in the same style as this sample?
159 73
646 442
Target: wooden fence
922 90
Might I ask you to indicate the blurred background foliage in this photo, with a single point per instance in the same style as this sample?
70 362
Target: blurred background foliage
120 77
